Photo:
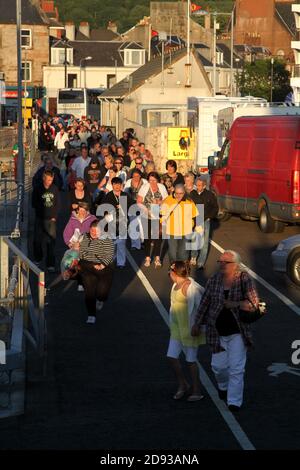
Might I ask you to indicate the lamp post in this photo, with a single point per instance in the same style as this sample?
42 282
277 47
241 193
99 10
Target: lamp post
272 73
82 60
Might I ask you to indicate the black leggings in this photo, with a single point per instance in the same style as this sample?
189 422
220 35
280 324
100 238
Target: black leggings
96 284
148 240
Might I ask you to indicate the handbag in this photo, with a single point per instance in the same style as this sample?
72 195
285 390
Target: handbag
250 317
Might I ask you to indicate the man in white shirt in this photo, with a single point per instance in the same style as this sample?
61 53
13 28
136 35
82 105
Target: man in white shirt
80 163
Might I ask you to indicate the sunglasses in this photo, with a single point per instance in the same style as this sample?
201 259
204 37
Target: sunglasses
225 262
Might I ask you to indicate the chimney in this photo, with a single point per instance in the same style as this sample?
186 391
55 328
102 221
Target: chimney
84 28
207 22
70 30
112 26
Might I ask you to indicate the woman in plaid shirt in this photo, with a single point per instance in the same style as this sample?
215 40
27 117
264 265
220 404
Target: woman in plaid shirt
227 336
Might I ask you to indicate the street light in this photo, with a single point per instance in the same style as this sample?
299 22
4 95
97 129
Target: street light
272 73
82 60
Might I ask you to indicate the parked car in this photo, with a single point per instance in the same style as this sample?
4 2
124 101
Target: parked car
286 258
257 172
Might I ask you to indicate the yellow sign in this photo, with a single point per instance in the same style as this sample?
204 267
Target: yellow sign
181 144
28 102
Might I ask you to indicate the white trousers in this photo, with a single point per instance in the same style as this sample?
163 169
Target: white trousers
120 251
229 367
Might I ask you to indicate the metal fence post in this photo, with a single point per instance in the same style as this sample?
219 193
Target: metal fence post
4 264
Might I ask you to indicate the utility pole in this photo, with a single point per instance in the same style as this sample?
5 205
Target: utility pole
231 54
272 73
188 49
20 165
214 54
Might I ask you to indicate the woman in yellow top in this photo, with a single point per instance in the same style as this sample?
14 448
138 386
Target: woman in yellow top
178 217
185 298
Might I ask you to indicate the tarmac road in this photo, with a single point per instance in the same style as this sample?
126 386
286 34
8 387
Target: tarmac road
109 385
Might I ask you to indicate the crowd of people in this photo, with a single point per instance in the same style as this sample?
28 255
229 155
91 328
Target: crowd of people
115 193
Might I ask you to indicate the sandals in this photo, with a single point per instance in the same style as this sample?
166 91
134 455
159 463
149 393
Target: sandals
157 263
147 262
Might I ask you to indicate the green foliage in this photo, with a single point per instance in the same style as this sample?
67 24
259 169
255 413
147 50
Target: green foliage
125 12
256 80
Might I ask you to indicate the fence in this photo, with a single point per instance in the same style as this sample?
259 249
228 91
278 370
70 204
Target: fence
23 315
12 196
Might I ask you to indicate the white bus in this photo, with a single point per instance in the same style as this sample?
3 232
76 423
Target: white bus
81 102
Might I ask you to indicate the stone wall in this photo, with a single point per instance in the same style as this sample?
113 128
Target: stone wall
156 140
38 54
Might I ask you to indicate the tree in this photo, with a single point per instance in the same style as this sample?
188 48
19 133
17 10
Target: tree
256 78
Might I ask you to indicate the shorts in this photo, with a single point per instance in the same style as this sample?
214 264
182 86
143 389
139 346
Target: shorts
176 347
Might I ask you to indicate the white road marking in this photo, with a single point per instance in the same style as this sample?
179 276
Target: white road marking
228 417
264 283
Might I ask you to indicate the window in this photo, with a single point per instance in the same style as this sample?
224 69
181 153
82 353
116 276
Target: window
224 154
26 40
26 71
134 57
72 80
58 56
110 80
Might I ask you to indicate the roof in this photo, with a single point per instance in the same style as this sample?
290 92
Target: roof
237 60
103 53
283 11
100 34
30 13
150 69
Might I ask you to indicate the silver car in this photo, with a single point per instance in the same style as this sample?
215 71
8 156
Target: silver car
286 258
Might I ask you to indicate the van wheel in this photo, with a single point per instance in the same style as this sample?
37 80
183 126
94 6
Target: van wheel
293 268
265 222
223 216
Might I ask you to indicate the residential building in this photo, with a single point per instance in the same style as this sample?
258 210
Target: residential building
90 63
35 52
267 24
155 97
295 78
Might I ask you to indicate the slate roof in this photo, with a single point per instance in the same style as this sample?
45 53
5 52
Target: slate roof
283 11
103 53
30 13
138 78
227 56
100 34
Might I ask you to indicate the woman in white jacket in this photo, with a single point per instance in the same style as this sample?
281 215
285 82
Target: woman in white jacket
185 298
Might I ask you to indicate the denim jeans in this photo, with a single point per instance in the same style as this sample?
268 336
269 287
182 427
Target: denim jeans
177 249
204 250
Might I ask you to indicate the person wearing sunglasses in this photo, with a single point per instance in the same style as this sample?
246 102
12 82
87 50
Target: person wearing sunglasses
227 336
185 299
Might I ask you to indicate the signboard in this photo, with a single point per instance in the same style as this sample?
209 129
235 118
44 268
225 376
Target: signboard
181 144
27 102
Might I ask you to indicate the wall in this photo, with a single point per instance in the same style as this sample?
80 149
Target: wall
257 24
38 54
162 12
94 77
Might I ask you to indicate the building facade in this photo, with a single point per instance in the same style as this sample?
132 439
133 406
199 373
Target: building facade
266 23
35 52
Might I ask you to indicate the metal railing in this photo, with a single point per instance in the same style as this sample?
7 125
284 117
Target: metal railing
12 196
25 307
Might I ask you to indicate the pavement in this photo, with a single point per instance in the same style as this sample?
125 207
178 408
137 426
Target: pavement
109 385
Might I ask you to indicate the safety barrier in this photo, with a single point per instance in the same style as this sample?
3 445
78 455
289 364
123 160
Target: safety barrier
24 309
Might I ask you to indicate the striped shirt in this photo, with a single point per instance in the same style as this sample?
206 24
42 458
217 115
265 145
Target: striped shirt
98 250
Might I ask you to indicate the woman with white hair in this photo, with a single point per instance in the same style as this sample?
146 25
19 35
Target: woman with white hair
226 293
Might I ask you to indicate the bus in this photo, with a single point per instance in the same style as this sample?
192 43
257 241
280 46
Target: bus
81 102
